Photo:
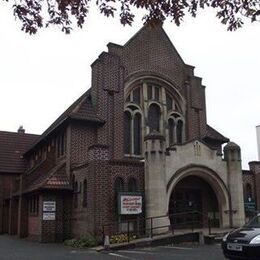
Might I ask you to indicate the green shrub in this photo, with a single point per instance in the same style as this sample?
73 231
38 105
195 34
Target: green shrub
86 241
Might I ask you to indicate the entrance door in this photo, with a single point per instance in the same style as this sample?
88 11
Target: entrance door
185 208
191 202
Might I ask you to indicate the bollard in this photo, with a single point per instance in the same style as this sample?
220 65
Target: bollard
106 243
201 238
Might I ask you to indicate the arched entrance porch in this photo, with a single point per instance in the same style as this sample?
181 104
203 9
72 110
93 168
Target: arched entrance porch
197 188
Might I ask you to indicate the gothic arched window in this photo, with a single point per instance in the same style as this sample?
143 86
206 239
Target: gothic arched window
76 187
171 131
127 132
154 117
132 185
118 187
179 131
85 194
137 133
152 104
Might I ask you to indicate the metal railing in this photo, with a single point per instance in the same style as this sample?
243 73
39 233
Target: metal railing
128 230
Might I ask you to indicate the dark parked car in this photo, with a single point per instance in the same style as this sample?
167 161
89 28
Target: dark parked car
243 243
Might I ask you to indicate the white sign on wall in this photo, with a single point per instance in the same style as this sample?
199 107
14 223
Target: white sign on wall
49 206
48 215
130 204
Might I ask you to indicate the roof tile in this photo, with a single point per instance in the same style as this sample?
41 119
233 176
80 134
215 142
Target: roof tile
12 147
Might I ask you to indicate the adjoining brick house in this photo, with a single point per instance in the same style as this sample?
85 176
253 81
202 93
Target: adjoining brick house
12 165
251 182
140 128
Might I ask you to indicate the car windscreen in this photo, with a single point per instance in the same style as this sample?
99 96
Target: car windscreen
254 223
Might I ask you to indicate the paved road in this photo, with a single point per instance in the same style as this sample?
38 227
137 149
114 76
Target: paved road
12 248
173 252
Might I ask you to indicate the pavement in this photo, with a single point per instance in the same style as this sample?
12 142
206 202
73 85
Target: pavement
179 235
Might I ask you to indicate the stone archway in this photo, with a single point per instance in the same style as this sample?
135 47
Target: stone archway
211 181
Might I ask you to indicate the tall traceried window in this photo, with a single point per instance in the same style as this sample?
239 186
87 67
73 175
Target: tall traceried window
154 114
152 104
137 133
136 96
127 132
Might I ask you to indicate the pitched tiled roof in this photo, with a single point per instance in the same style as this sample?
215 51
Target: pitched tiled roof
54 179
215 135
12 147
81 109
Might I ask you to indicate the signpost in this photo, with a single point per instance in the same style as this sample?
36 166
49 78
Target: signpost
49 206
49 210
250 206
130 203
48 216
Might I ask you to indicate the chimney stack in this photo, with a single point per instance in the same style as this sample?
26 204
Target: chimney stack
21 130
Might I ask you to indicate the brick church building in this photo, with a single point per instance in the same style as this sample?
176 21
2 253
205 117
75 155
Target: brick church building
141 129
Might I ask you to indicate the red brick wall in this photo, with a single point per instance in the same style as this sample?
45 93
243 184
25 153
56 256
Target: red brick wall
55 230
249 178
255 169
6 181
13 218
100 208
81 138
83 219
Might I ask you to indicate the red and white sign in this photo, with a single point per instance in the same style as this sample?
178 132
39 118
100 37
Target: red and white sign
130 204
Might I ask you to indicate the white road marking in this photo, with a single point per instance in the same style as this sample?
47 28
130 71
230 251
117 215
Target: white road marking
136 252
177 247
121 256
83 252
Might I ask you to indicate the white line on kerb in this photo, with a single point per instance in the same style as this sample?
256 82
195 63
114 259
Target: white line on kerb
121 256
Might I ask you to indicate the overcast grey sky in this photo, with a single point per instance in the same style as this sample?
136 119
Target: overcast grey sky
42 75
